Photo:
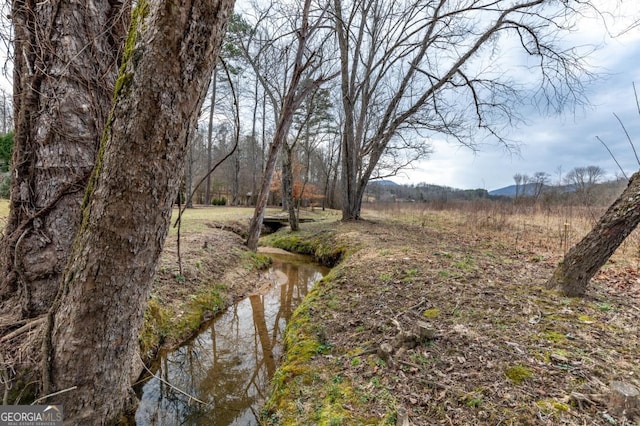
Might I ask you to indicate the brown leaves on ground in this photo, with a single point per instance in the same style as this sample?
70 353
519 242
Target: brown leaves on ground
505 351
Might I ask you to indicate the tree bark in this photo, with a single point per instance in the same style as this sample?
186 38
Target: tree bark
584 260
95 321
287 176
64 74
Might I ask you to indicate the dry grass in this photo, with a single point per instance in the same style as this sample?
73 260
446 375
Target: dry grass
507 350
4 208
547 231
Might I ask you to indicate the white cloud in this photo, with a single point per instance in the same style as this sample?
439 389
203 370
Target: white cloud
567 141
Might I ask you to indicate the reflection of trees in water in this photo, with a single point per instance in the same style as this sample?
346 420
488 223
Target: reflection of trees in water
230 366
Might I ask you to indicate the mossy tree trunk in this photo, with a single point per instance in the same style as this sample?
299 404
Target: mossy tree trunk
64 76
584 260
169 58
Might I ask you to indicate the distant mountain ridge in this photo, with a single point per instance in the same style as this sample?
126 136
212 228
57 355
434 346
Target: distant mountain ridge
528 190
510 191
387 190
384 182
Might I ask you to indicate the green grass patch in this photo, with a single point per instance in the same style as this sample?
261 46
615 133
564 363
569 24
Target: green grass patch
553 336
4 209
254 261
321 245
431 313
518 374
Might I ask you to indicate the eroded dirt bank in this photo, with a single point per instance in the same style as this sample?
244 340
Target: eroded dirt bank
441 325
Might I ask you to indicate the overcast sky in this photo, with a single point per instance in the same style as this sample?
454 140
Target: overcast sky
558 143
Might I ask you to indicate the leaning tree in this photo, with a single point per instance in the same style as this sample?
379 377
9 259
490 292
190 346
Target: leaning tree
584 259
287 54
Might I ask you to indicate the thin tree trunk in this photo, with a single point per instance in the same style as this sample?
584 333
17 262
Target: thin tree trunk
96 318
254 142
287 176
189 172
63 85
584 260
207 191
284 184
235 189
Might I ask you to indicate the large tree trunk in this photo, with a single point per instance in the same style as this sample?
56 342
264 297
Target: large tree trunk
95 321
350 152
585 259
64 72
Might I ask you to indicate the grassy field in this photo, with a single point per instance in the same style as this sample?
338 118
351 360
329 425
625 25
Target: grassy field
196 219
550 231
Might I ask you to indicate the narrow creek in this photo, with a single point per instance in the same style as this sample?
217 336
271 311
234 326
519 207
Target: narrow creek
228 366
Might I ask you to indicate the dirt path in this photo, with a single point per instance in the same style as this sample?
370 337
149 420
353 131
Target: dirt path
440 325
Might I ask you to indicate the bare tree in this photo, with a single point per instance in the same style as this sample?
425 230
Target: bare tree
517 178
583 179
539 180
301 68
212 103
317 127
419 66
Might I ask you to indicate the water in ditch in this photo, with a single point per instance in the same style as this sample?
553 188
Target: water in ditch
228 366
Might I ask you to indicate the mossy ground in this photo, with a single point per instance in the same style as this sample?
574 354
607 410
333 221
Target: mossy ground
507 351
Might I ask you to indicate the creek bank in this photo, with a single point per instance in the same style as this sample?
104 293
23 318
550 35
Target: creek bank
505 350
226 369
217 270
